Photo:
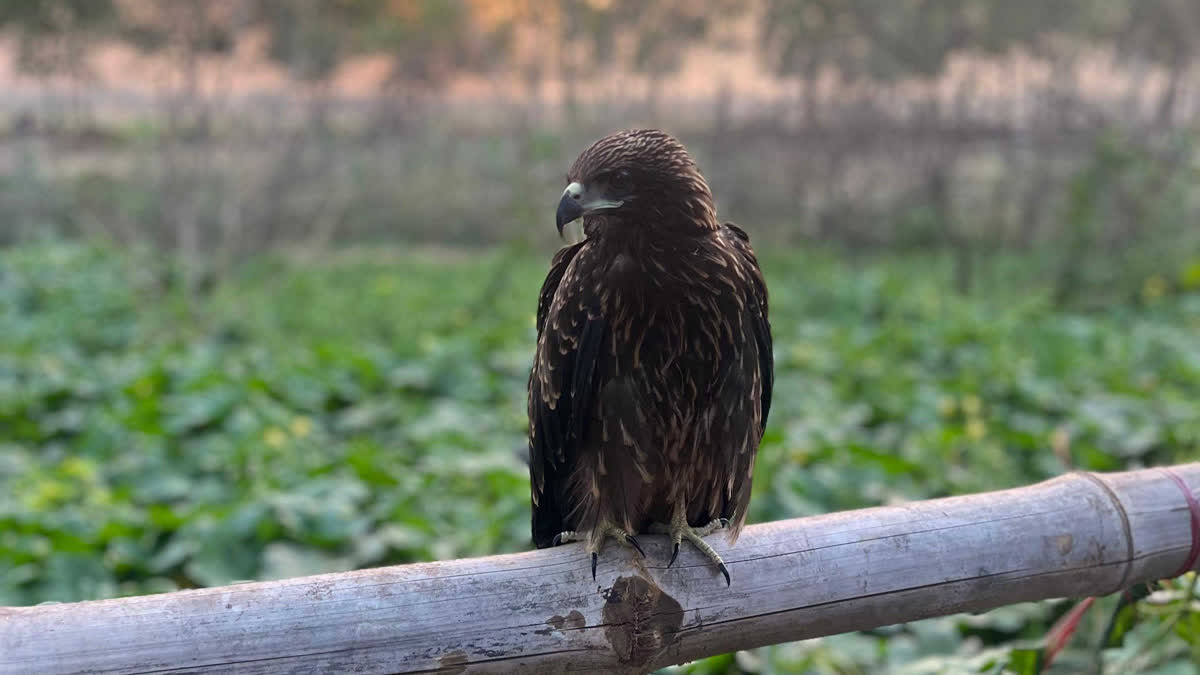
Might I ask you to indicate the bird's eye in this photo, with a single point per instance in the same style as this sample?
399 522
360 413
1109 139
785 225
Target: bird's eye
620 181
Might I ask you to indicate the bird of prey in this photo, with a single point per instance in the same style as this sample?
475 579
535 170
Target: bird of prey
653 372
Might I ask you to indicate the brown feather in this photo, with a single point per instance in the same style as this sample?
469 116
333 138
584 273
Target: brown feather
652 379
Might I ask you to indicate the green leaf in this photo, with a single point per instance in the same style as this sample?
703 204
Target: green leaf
1025 661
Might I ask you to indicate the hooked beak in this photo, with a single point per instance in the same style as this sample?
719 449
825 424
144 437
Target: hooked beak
577 202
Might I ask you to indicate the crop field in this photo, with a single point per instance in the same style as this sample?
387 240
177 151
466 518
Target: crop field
368 409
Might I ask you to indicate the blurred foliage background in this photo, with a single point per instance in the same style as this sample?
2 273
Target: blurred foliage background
268 273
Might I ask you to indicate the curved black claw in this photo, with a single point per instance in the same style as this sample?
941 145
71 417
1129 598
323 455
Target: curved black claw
725 522
634 543
674 554
724 571
556 540
596 556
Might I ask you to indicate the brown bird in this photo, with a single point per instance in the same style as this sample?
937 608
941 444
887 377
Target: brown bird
652 378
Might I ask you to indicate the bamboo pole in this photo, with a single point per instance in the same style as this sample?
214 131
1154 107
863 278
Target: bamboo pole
541 612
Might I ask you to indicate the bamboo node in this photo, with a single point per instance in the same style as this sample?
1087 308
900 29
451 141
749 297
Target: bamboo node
1194 511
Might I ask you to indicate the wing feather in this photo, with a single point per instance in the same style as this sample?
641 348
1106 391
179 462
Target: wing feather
561 388
757 375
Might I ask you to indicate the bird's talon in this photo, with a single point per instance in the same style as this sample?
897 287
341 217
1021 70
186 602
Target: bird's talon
594 538
565 537
632 541
679 530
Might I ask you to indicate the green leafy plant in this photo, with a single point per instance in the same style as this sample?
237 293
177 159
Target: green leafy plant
368 409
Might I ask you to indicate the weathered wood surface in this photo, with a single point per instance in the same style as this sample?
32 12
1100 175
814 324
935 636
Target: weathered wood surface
541 612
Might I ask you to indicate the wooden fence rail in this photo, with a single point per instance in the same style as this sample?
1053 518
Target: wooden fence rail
541 612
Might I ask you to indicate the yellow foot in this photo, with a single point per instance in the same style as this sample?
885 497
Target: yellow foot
595 540
679 530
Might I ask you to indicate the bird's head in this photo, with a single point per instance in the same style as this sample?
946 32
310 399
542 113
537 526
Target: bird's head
641 178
